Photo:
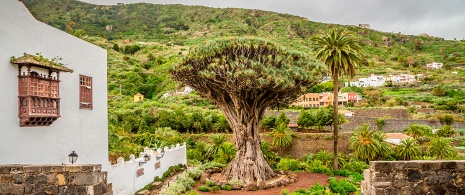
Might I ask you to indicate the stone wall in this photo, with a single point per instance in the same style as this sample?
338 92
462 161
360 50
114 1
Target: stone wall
391 125
414 177
53 179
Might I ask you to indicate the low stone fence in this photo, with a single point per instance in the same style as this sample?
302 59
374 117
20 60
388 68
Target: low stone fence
414 177
53 179
129 176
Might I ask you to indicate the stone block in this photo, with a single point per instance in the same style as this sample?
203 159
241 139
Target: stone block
85 179
56 169
400 183
431 166
412 165
73 168
413 175
398 166
144 192
6 188
5 169
60 179
18 178
381 166
51 189
16 169
444 177
405 191
157 185
421 188
448 165
430 178
460 166
40 179
390 191
381 184
6 178
32 169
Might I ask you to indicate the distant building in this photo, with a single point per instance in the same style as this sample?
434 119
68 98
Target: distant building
401 79
435 65
315 100
372 81
138 97
364 25
395 138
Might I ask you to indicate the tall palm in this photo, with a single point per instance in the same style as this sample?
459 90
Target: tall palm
408 149
441 148
342 54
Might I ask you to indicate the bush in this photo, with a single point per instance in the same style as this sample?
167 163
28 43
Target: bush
210 183
227 188
341 186
288 164
317 189
215 188
204 188
356 166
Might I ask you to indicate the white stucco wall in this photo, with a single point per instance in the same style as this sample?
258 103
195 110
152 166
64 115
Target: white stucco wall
123 174
84 131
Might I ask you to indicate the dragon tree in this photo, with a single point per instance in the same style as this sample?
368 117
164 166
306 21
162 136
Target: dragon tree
244 76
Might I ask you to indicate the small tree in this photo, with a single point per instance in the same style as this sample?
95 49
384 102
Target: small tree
282 136
282 118
441 148
408 149
414 130
380 122
243 77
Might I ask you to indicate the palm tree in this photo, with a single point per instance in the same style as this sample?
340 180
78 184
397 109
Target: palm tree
217 140
282 136
414 130
441 148
408 149
366 144
342 54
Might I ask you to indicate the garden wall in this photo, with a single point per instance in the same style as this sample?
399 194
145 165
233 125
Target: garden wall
54 179
302 143
391 125
129 176
414 177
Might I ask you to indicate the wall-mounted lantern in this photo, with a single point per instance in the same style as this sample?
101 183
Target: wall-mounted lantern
146 158
161 154
73 157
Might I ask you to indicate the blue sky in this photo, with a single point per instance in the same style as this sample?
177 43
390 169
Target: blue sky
438 18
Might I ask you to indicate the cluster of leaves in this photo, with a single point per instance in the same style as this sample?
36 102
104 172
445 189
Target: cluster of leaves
219 150
318 118
171 171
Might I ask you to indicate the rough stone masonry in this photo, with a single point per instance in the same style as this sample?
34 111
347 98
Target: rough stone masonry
414 177
53 179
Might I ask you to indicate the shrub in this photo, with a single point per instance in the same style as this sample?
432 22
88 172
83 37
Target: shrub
317 189
341 186
204 188
227 188
288 164
356 166
210 183
282 136
215 188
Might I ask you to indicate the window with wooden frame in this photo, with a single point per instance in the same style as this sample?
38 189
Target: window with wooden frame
85 92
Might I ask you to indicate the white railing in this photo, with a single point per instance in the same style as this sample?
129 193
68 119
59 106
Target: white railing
129 176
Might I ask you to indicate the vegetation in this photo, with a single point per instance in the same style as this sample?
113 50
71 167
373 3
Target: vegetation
441 148
282 136
260 67
369 145
408 149
342 54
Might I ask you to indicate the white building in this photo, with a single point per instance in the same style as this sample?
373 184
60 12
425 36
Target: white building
434 65
402 79
372 81
43 119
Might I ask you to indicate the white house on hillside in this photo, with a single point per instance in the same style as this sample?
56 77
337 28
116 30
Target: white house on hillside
435 65
372 81
50 109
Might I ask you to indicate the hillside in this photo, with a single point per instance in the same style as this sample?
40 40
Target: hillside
144 41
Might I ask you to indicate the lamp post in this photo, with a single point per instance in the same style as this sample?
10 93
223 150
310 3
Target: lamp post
146 158
161 154
73 157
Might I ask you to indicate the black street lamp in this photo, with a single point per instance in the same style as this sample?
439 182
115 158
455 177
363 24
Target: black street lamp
73 157
146 158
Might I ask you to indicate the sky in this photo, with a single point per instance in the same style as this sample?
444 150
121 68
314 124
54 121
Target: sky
439 18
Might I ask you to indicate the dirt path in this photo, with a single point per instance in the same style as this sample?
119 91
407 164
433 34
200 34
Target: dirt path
305 180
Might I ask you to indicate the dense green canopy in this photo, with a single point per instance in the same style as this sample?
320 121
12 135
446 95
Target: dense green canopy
253 68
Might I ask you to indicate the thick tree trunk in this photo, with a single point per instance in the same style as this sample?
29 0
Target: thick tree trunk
249 165
335 120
